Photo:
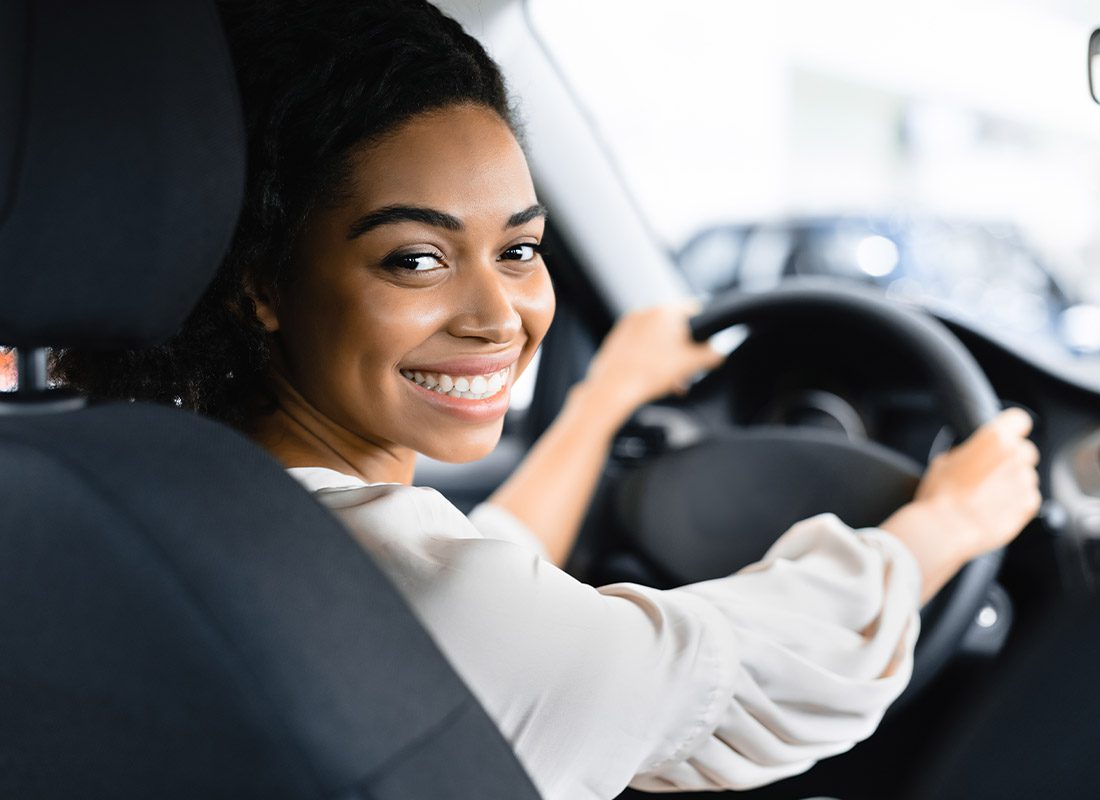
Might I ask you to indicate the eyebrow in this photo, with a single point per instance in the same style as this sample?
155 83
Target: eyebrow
390 215
525 216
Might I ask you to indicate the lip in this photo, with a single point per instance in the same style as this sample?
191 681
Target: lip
487 410
467 365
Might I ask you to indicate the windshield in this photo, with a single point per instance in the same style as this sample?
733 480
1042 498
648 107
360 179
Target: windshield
945 151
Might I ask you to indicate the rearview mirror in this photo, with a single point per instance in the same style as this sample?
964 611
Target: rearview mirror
1094 65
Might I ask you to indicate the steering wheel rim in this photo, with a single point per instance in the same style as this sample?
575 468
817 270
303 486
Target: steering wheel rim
965 394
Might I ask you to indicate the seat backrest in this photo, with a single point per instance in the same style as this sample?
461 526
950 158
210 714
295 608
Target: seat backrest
178 618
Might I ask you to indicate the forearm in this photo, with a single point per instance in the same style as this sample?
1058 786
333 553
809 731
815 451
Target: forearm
552 487
940 542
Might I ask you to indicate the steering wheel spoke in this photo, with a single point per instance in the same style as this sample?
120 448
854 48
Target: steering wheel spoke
707 510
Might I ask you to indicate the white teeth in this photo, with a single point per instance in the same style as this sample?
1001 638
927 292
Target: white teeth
469 387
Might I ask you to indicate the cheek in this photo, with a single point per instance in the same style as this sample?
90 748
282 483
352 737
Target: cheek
383 323
535 304
401 319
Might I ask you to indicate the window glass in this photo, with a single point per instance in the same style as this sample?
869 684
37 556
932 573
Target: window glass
945 150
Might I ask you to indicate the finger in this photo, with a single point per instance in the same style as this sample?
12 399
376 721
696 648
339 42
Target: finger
1019 463
1021 485
686 308
709 358
692 306
997 438
1010 479
701 360
1028 505
1031 479
1029 453
1012 422
1035 503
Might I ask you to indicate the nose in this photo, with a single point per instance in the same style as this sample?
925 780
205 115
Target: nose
486 305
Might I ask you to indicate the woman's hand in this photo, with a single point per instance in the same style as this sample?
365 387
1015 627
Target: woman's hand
648 354
973 499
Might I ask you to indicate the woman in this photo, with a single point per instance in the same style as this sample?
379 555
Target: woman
384 290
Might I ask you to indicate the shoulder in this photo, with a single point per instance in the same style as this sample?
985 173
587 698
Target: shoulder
398 524
341 492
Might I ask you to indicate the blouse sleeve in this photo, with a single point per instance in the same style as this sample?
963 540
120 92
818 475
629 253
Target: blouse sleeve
496 522
730 683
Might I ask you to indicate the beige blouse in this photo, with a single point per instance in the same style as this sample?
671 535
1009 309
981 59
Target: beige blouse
731 683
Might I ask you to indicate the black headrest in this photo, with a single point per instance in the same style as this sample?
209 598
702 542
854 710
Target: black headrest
122 157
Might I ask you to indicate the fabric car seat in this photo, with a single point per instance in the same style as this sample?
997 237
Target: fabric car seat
178 618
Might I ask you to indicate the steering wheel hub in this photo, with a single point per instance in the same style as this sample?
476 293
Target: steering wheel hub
710 509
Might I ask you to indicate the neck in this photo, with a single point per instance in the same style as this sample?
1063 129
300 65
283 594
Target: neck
299 435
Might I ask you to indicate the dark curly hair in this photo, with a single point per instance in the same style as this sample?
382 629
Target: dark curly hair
318 79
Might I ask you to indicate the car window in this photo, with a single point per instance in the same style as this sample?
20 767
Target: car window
904 146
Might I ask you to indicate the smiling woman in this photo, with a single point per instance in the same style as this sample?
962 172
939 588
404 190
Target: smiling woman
416 278
384 290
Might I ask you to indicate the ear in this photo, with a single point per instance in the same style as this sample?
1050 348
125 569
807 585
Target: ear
264 303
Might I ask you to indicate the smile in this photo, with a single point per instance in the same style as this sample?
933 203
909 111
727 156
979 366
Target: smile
468 387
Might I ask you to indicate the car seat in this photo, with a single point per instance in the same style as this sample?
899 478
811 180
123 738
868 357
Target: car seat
178 618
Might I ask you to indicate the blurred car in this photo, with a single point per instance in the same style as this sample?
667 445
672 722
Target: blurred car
984 273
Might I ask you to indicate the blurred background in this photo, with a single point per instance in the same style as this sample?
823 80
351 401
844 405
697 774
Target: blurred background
946 151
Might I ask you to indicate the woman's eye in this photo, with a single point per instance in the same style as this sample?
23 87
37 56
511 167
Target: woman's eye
415 262
520 252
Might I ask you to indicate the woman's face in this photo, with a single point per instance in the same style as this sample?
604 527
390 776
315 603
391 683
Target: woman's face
422 296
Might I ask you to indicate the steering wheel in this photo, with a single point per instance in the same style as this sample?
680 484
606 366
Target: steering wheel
727 497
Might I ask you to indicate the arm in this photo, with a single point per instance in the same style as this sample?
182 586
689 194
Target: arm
647 355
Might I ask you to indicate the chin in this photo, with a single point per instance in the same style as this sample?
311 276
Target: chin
459 449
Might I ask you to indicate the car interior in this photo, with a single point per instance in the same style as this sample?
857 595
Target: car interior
169 632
